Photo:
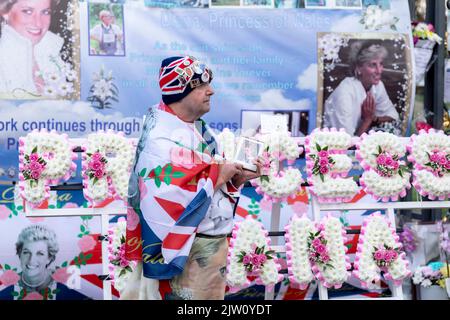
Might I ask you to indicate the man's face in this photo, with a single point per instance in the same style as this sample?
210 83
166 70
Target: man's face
107 19
197 102
30 18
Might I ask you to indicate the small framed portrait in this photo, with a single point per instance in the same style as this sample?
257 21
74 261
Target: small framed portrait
39 57
383 4
348 4
258 3
225 3
365 82
106 30
247 151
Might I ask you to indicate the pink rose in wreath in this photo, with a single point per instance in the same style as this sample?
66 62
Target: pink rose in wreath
86 243
33 296
132 219
61 275
4 212
9 278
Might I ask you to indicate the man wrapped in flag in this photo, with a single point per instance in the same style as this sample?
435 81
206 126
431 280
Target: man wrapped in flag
181 195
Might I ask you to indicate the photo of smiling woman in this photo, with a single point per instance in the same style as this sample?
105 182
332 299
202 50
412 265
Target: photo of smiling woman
369 88
30 52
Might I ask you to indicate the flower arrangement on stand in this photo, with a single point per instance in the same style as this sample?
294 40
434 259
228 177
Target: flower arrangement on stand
385 177
424 31
379 250
248 256
430 156
274 184
316 252
45 158
106 165
327 165
425 39
120 268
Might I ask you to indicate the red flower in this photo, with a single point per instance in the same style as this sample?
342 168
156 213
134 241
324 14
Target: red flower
423 125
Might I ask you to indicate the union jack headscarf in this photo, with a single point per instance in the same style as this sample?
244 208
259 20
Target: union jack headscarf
178 76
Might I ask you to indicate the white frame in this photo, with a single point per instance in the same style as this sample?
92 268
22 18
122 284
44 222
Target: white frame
246 165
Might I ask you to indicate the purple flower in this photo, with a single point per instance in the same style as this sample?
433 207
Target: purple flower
95 165
394 255
255 260
447 165
325 258
247 259
395 165
34 157
262 258
389 161
323 162
443 161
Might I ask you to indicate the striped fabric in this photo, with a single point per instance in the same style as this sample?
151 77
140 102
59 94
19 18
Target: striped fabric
176 185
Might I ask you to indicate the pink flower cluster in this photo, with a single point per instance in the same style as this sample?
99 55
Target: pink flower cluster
387 165
439 163
385 256
265 169
322 162
96 166
254 261
318 252
117 256
33 167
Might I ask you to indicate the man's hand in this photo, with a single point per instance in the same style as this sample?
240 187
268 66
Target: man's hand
227 170
246 175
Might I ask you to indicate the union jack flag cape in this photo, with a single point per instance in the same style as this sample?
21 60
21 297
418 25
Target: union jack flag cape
170 192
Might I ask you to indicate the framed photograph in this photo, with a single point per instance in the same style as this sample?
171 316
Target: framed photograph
258 3
297 121
42 65
106 30
348 4
225 3
383 4
364 82
248 149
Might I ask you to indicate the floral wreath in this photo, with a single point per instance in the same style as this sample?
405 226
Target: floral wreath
247 256
316 252
327 164
45 158
106 176
120 268
386 176
429 152
274 184
379 250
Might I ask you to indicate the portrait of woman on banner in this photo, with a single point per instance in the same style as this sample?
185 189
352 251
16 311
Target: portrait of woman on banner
31 55
362 100
36 248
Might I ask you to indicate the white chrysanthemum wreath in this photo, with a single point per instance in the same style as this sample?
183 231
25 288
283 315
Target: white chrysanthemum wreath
120 268
327 164
106 166
386 176
45 158
430 155
317 252
274 184
379 250
250 255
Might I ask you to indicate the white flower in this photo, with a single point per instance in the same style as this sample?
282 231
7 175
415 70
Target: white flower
50 91
65 88
426 283
52 77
